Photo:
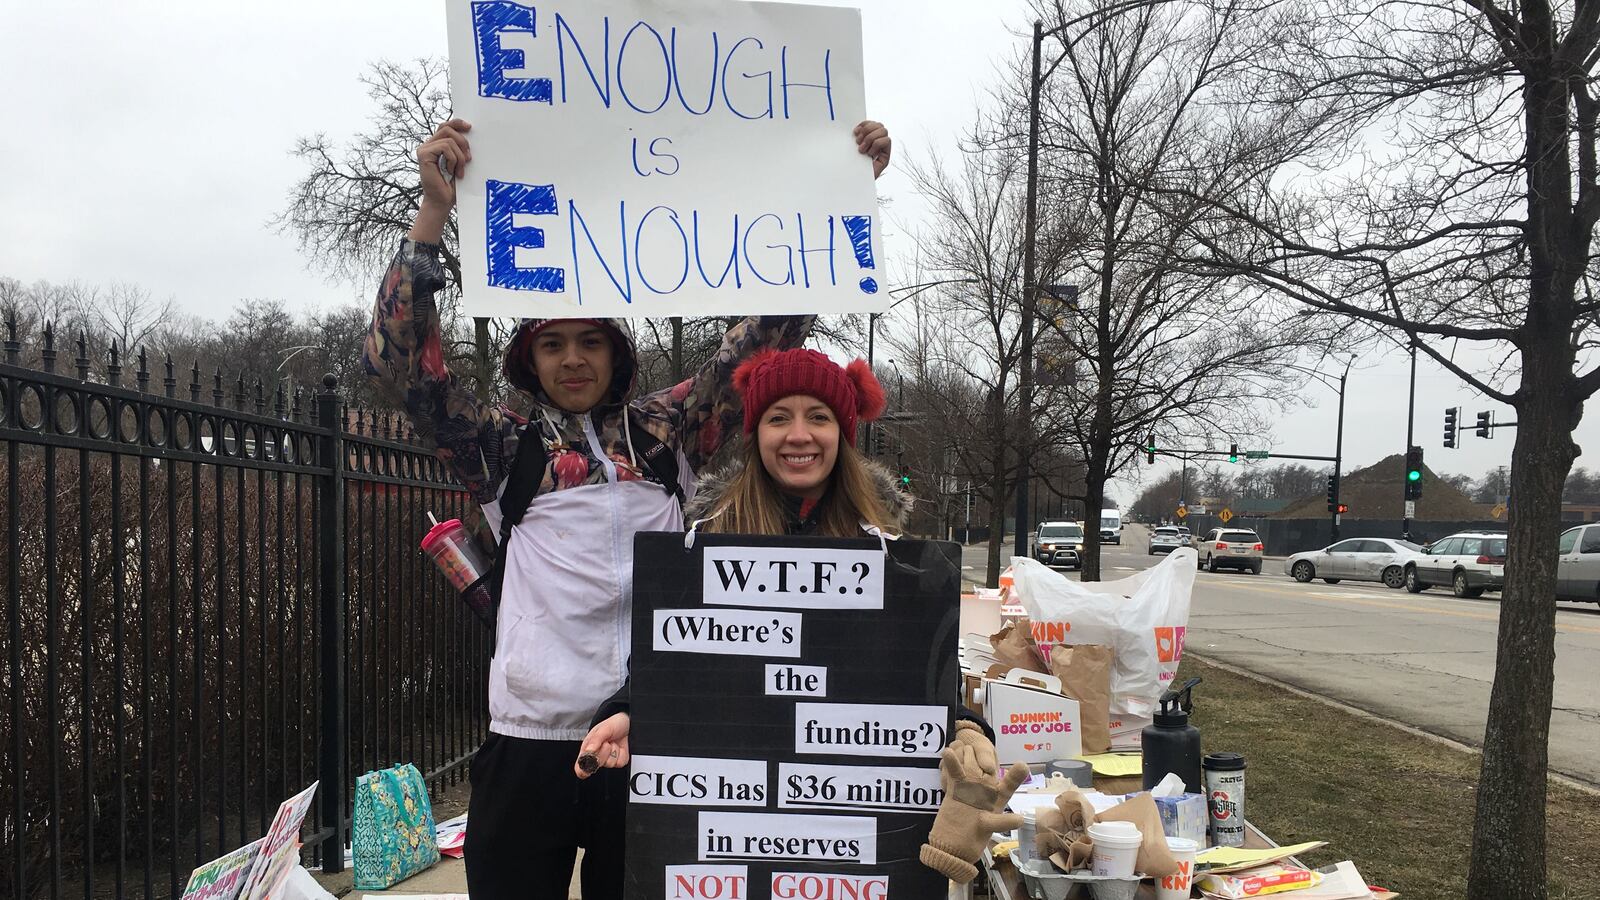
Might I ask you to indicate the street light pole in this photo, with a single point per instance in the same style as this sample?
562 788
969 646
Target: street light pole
872 329
1411 412
1029 291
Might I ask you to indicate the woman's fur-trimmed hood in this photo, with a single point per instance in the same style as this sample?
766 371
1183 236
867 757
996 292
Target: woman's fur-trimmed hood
709 489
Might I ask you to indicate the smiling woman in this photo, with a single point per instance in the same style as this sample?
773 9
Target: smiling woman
801 472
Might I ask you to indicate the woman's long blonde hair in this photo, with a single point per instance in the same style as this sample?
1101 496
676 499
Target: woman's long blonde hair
752 503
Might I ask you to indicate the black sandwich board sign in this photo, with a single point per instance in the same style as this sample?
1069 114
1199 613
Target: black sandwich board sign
791 697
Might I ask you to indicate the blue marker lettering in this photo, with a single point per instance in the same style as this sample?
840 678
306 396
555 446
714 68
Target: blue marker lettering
805 268
859 229
666 69
677 75
733 253
505 200
682 246
827 80
661 155
625 286
489 21
728 65
564 32
788 252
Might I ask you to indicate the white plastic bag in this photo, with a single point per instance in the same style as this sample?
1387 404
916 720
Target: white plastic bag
1142 618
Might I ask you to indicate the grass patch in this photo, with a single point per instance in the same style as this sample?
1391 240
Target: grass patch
1400 806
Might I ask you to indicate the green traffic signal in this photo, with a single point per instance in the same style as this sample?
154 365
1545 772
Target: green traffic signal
1414 475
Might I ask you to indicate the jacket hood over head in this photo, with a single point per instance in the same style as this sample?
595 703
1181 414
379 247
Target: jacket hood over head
520 371
710 489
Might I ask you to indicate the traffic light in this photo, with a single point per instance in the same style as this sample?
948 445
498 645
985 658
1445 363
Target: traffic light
1414 473
1233 453
1450 427
1343 509
1485 424
1333 493
905 478
1150 451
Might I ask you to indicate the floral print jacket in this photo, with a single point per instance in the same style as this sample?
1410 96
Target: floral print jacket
405 357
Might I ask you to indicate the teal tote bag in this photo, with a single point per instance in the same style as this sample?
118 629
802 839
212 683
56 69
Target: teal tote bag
392 837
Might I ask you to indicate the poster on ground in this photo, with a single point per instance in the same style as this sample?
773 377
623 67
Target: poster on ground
661 158
222 878
791 697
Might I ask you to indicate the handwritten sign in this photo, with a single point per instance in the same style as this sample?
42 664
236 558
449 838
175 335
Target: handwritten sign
787 741
671 157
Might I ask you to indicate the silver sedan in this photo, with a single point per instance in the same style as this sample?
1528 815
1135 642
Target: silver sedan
1357 559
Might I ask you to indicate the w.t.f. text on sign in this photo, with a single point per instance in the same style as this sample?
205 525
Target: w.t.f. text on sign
790 699
670 157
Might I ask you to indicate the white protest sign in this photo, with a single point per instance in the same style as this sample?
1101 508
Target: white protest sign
793 577
676 157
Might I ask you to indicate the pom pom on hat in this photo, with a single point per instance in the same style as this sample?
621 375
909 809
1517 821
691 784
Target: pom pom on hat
853 392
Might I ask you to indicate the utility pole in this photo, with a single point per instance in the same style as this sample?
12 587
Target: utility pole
1029 298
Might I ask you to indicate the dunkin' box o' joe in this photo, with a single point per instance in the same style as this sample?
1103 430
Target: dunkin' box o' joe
1033 722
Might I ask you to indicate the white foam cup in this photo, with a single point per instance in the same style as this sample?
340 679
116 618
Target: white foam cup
1116 847
1025 835
1176 886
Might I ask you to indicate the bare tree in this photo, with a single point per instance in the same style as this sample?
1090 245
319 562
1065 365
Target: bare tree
1161 347
1439 176
963 341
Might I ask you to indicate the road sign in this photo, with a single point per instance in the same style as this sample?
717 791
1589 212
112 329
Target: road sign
1183 511
1198 509
1498 511
1411 509
1225 515
1257 454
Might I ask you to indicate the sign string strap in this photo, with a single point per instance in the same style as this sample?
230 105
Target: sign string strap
688 537
883 537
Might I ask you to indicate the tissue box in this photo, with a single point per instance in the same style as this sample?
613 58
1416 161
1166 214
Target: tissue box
1184 816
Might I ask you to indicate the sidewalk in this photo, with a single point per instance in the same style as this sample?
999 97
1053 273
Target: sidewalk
449 876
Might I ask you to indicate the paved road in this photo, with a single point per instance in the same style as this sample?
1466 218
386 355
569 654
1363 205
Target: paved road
1426 660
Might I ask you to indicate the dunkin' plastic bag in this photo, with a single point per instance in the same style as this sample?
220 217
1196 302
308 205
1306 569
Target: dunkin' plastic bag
1142 618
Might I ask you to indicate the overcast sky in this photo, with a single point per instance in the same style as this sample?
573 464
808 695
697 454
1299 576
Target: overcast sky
149 143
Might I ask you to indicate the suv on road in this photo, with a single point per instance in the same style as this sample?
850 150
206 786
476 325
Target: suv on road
1060 544
1230 548
1165 539
1470 563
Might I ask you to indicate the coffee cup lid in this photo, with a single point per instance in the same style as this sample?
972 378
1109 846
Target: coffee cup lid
1223 761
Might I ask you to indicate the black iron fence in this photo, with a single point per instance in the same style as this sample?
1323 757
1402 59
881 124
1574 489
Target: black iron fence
213 596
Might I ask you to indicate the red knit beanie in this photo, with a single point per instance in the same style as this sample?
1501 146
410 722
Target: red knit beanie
851 392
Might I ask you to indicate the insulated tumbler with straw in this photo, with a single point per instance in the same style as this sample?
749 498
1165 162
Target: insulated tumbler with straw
455 553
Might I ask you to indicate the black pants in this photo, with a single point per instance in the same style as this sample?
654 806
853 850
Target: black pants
528 816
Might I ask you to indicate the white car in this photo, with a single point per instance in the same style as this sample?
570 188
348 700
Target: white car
1358 559
1578 567
1468 563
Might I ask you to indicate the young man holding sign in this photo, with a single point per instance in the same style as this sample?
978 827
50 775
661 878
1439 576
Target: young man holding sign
564 620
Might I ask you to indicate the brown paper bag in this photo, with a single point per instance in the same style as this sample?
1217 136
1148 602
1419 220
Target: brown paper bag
1062 831
1154 858
1085 673
1014 647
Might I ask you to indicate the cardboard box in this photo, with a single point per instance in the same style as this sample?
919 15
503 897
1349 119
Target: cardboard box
1184 816
1010 611
1033 722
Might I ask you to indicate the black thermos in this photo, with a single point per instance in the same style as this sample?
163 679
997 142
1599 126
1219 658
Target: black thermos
1172 744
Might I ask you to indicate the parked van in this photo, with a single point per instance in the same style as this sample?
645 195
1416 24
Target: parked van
1111 526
